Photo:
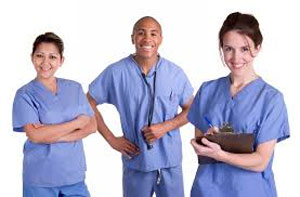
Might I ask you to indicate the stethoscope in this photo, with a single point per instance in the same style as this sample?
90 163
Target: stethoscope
151 107
152 93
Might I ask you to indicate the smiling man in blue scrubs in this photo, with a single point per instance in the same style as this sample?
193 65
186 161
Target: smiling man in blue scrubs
147 90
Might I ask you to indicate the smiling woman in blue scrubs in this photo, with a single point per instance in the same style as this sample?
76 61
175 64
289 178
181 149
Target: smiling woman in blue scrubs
55 115
250 105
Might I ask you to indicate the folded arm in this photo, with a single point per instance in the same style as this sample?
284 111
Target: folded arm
78 134
47 134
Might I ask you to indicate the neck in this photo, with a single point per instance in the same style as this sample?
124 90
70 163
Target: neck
146 63
243 80
49 83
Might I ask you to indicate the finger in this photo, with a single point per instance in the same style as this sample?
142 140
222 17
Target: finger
126 155
131 149
148 135
216 129
147 130
135 147
195 144
207 143
37 125
144 128
129 143
150 139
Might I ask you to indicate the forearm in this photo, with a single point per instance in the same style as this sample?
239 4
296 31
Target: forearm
179 120
256 161
101 126
48 134
253 161
80 133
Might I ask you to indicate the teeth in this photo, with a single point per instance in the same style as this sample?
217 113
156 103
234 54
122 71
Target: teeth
146 47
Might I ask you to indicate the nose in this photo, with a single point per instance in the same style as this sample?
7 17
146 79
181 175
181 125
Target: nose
236 57
45 60
147 36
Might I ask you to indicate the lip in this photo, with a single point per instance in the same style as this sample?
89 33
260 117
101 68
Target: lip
238 66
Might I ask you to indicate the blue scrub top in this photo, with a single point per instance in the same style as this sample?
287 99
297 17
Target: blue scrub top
122 85
259 109
57 164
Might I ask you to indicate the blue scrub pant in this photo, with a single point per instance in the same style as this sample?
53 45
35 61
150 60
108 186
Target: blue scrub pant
75 190
166 182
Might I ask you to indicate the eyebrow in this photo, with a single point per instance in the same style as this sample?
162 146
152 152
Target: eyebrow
152 30
225 45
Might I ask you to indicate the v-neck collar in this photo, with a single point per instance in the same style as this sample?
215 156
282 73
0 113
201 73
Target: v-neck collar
152 70
246 89
44 88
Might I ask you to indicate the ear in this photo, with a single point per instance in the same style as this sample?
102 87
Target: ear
161 39
257 50
31 57
132 38
62 61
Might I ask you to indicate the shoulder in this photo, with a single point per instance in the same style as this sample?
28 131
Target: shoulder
213 84
25 89
271 93
69 83
169 66
118 66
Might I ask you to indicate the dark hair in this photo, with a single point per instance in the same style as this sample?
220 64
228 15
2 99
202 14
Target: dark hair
49 37
145 18
245 24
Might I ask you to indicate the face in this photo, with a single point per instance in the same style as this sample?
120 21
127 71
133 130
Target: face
46 60
147 39
239 52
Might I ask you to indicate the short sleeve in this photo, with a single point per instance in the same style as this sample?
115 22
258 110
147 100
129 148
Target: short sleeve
187 89
100 89
84 106
195 115
275 122
24 112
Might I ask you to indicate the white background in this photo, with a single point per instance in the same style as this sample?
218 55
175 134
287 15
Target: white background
97 33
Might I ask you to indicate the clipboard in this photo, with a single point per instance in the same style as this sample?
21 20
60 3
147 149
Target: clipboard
230 142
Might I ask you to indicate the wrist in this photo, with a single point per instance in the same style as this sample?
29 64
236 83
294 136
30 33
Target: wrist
222 156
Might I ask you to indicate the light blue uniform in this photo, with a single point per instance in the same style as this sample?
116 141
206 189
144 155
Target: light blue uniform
259 109
57 164
122 85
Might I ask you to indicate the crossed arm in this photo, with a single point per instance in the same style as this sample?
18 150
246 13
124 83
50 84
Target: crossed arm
70 131
256 161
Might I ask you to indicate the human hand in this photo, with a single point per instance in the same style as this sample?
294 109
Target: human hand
212 131
153 133
209 149
124 146
37 125
82 121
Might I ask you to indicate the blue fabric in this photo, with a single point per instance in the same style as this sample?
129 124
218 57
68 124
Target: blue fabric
122 85
137 183
259 109
57 164
75 190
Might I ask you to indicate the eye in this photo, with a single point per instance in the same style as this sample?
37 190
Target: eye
140 33
227 49
245 49
38 55
53 57
154 34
